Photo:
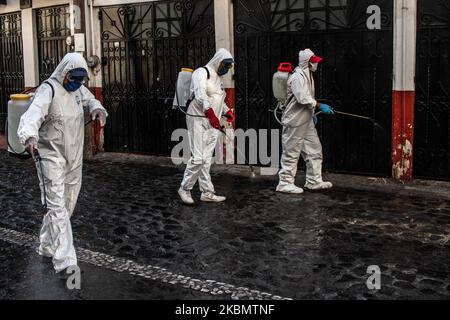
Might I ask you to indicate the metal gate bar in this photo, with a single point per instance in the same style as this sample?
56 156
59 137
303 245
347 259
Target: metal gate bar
143 48
432 114
53 27
356 74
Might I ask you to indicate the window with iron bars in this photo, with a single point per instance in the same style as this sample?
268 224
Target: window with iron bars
296 15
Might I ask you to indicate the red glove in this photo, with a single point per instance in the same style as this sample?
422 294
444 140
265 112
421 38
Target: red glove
230 116
215 123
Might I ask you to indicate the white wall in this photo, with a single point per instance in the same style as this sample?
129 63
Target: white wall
95 75
30 49
14 5
405 31
223 13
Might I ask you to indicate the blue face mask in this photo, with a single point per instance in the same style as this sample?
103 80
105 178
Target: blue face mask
227 64
72 86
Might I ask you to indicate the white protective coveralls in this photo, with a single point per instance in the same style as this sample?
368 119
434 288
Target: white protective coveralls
58 125
202 136
299 132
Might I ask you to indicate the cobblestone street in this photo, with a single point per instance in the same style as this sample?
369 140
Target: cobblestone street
311 246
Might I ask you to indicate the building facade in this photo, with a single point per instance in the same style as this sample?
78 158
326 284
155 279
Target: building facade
397 73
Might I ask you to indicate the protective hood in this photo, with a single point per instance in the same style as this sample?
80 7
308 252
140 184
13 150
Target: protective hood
69 62
304 57
220 55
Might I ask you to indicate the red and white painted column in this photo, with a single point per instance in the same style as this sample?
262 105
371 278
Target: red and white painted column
223 13
94 45
403 96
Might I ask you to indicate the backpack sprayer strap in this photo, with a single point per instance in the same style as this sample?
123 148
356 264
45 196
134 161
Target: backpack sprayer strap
51 86
45 82
193 96
289 100
207 72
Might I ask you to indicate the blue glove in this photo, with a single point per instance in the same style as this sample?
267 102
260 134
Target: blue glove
316 120
326 109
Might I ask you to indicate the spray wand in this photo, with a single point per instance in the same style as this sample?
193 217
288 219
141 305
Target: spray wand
352 115
38 159
252 170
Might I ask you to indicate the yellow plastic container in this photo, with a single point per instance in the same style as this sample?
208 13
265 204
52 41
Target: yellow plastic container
17 106
183 89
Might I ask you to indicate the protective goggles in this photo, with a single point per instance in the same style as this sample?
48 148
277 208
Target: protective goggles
78 75
228 63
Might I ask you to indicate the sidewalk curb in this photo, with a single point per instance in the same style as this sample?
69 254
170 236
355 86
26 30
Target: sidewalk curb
421 188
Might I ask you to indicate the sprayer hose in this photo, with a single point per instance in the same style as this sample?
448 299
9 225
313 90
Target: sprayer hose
275 113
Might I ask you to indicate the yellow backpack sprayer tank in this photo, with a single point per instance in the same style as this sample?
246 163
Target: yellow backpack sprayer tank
17 106
183 88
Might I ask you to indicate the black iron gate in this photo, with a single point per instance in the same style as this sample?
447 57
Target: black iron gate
356 75
11 61
432 115
53 27
143 48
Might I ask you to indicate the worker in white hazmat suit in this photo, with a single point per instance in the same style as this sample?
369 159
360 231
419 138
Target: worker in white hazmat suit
54 126
207 107
299 131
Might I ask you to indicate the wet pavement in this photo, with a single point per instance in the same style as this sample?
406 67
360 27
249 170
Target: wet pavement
311 246
30 276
